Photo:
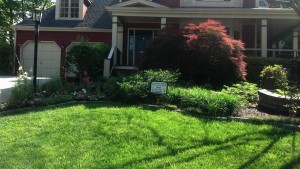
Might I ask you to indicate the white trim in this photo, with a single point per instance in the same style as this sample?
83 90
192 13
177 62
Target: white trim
64 29
70 46
163 22
264 38
126 67
32 41
295 42
248 13
58 8
143 2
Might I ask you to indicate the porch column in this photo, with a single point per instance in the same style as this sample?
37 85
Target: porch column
163 22
264 38
114 35
295 42
120 42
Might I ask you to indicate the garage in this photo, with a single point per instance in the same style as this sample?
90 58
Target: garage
48 62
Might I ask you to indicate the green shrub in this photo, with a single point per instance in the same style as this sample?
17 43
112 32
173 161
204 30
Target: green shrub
56 99
6 57
273 77
111 89
136 88
87 57
256 64
205 102
54 85
164 51
247 92
203 53
21 92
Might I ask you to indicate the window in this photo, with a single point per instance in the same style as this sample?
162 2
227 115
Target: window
227 31
69 9
138 41
236 35
263 4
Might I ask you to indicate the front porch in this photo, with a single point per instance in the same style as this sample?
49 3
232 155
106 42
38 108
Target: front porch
134 27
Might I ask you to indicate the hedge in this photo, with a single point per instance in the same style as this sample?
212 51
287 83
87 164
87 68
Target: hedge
256 64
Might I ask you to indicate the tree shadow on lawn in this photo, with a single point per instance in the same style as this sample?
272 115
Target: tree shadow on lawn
296 159
234 141
274 135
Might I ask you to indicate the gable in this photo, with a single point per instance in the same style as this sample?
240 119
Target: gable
139 3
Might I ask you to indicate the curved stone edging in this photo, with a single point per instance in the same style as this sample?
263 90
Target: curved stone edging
239 119
273 101
247 120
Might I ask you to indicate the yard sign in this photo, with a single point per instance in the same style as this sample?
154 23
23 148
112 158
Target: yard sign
159 87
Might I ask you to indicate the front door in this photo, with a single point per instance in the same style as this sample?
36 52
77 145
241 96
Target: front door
138 41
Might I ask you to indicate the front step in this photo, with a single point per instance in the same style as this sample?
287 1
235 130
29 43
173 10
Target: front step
123 70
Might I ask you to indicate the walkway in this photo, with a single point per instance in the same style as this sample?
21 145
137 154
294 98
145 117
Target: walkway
6 83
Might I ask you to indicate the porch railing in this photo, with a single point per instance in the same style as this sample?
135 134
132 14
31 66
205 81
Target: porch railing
278 53
110 61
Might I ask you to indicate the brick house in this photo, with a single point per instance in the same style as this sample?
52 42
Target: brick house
129 25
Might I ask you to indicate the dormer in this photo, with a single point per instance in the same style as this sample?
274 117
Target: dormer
71 9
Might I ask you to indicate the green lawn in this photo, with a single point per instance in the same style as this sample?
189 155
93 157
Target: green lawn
111 135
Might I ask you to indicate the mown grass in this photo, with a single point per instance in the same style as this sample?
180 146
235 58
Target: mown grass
111 135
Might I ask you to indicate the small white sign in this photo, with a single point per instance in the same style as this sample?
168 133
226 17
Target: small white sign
159 87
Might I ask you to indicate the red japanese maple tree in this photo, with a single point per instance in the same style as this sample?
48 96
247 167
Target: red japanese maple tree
203 53
212 55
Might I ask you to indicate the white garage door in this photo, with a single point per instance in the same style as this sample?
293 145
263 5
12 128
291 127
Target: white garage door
48 62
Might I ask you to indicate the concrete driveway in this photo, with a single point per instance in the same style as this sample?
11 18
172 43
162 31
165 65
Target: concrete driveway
6 83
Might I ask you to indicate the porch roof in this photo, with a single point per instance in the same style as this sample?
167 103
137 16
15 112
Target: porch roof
247 13
280 21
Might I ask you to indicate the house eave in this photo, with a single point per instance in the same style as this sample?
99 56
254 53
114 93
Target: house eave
60 29
143 2
253 13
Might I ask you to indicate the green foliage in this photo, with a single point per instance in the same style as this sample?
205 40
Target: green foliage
136 88
88 57
56 99
273 77
245 91
293 103
111 88
204 102
256 64
6 57
54 85
21 92
165 51
204 54
108 135
14 11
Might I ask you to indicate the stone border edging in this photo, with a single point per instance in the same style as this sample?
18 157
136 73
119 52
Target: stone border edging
248 120
239 119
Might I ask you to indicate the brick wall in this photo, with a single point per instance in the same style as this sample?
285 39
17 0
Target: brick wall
63 39
249 3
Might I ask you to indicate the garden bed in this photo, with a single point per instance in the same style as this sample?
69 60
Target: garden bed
275 102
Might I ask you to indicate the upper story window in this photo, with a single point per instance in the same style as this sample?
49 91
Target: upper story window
69 9
263 4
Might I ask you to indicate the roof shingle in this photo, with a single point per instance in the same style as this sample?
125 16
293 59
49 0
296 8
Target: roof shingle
95 17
